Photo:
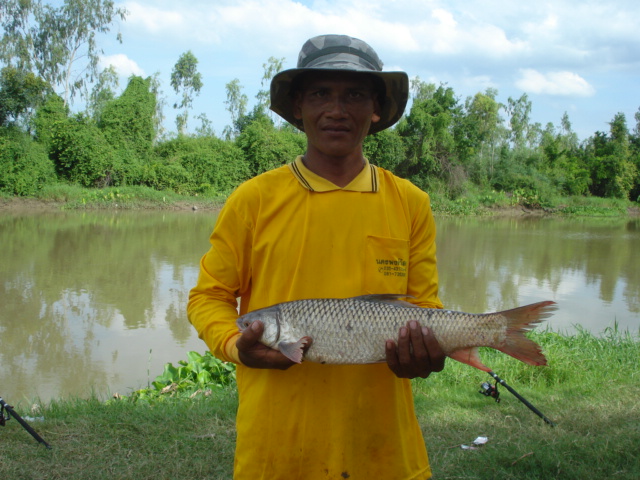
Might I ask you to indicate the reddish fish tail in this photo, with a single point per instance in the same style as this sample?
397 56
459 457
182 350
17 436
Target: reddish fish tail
523 319
519 320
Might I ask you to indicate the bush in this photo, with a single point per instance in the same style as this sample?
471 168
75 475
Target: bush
210 165
24 164
128 121
52 112
385 149
82 155
266 147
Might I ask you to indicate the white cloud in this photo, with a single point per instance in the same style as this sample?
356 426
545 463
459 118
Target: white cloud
153 19
123 65
554 83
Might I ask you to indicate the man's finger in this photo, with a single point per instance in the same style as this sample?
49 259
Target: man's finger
436 354
418 348
250 336
404 346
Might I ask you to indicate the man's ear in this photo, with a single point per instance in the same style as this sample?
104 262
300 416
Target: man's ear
375 117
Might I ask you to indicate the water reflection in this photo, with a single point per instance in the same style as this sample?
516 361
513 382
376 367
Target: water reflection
90 300
589 266
98 299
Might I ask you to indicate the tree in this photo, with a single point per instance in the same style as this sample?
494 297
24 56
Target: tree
519 112
236 104
428 132
161 101
634 145
479 132
185 77
128 121
66 36
385 149
103 92
16 44
271 68
608 156
20 94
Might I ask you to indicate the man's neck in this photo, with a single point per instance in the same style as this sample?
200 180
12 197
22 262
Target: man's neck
338 170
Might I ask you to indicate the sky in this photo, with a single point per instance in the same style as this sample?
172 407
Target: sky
579 57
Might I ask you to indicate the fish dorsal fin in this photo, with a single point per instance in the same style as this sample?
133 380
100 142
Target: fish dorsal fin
392 298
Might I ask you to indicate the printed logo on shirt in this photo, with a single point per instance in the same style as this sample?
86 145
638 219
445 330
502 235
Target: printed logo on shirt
392 267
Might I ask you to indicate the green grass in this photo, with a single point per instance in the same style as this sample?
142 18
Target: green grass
72 197
474 202
590 390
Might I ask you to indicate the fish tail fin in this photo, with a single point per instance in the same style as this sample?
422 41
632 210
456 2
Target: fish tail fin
520 320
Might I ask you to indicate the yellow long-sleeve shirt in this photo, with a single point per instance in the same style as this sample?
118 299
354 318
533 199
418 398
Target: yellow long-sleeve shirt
289 234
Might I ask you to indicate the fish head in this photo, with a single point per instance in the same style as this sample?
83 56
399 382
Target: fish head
269 317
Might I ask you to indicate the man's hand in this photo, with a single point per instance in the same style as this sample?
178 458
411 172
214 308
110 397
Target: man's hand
254 354
417 353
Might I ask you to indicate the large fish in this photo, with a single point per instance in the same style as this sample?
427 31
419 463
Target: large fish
354 330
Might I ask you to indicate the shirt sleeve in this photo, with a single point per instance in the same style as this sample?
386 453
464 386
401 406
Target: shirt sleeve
224 274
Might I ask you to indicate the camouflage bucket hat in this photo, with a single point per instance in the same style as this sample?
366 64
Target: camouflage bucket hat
342 53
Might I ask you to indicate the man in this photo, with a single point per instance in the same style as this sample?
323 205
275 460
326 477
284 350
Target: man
327 225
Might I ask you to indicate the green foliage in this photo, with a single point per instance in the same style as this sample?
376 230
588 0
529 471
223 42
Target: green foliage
385 149
185 77
65 36
204 165
24 164
51 112
102 92
428 133
198 374
20 94
449 148
236 105
609 158
266 147
82 155
128 121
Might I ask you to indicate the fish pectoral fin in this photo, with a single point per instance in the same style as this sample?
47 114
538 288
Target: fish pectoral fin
293 350
470 357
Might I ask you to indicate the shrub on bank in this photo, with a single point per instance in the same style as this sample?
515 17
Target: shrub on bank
24 164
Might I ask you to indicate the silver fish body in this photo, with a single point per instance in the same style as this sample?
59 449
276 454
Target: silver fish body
354 330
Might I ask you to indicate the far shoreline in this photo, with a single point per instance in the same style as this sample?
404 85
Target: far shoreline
32 205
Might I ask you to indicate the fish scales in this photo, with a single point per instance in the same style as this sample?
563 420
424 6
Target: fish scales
355 330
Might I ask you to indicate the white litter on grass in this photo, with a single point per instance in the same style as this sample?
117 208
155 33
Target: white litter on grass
478 442
34 419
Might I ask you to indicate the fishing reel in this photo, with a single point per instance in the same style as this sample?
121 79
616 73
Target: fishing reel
4 416
489 390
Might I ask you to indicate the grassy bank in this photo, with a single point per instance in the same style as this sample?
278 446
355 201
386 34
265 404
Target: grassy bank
590 390
73 197
474 202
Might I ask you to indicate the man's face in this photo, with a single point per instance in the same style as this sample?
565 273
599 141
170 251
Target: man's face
336 110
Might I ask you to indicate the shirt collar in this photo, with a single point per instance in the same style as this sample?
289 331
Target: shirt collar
365 181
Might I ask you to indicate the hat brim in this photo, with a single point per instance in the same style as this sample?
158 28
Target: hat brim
395 101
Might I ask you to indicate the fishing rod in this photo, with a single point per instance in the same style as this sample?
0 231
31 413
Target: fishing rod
12 413
491 391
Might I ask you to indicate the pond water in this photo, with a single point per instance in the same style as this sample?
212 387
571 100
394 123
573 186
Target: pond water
95 301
